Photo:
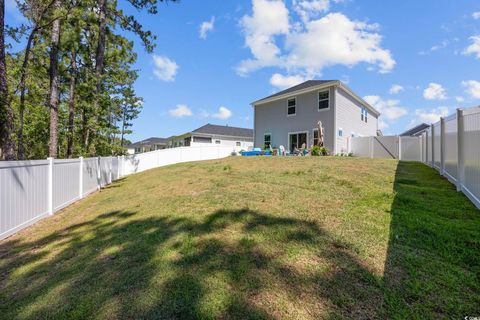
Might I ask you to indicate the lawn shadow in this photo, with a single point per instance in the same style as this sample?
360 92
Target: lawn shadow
121 266
433 263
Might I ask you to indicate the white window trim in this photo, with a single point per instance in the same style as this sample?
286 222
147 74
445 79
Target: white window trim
293 114
313 136
329 100
296 132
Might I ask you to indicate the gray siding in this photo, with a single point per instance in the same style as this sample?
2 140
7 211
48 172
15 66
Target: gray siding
272 118
348 113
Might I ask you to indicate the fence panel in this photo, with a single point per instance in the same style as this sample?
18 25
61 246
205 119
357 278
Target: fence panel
66 182
471 138
105 163
23 194
411 148
451 148
90 175
385 147
437 145
360 146
115 168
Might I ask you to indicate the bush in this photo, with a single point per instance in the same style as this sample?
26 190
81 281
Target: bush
319 151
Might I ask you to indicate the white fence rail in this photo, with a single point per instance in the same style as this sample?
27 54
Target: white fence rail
32 190
451 146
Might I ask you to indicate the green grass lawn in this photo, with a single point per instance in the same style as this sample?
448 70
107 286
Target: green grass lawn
253 238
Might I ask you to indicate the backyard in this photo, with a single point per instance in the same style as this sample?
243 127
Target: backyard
253 238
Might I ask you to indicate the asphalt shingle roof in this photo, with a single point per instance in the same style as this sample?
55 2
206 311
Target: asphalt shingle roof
415 130
224 131
301 86
149 141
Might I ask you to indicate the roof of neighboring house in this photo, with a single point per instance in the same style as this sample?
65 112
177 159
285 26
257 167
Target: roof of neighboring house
148 142
224 131
311 85
415 130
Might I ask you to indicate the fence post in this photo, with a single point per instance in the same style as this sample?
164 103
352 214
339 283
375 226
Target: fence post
50 186
399 148
442 146
460 150
99 174
433 145
80 179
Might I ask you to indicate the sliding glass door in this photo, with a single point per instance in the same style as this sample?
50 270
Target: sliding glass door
296 140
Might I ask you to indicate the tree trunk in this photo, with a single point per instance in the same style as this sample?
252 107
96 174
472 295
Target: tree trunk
99 63
71 109
54 85
6 113
21 107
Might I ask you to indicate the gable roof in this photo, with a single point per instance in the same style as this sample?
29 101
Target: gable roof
312 85
415 130
305 85
224 131
148 142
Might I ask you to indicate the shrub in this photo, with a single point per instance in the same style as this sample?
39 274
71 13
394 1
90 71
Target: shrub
319 151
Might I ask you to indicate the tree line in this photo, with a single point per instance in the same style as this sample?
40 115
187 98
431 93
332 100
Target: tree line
68 91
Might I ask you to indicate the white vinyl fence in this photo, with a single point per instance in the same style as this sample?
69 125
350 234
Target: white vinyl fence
32 190
451 146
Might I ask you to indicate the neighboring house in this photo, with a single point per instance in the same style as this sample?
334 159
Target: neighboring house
150 144
210 134
416 131
290 117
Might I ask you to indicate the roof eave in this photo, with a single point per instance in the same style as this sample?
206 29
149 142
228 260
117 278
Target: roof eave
289 94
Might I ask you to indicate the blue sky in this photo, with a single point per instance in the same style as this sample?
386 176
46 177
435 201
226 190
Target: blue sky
413 60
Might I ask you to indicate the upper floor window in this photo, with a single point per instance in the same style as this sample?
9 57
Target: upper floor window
267 140
364 115
292 106
217 141
238 144
323 100
340 132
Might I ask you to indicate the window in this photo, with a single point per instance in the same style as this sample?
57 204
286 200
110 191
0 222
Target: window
217 141
291 106
315 137
323 100
364 115
297 140
239 144
267 140
340 132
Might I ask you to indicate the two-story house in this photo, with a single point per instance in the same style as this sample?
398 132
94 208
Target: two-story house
290 117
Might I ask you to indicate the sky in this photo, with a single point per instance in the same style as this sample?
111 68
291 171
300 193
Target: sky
414 61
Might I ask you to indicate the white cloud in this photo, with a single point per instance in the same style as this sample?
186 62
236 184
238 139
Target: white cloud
223 113
474 48
396 89
307 9
282 82
165 69
460 99
476 15
180 111
269 18
382 125
429 116
312 44
389 109
472 88
434 91
206 27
